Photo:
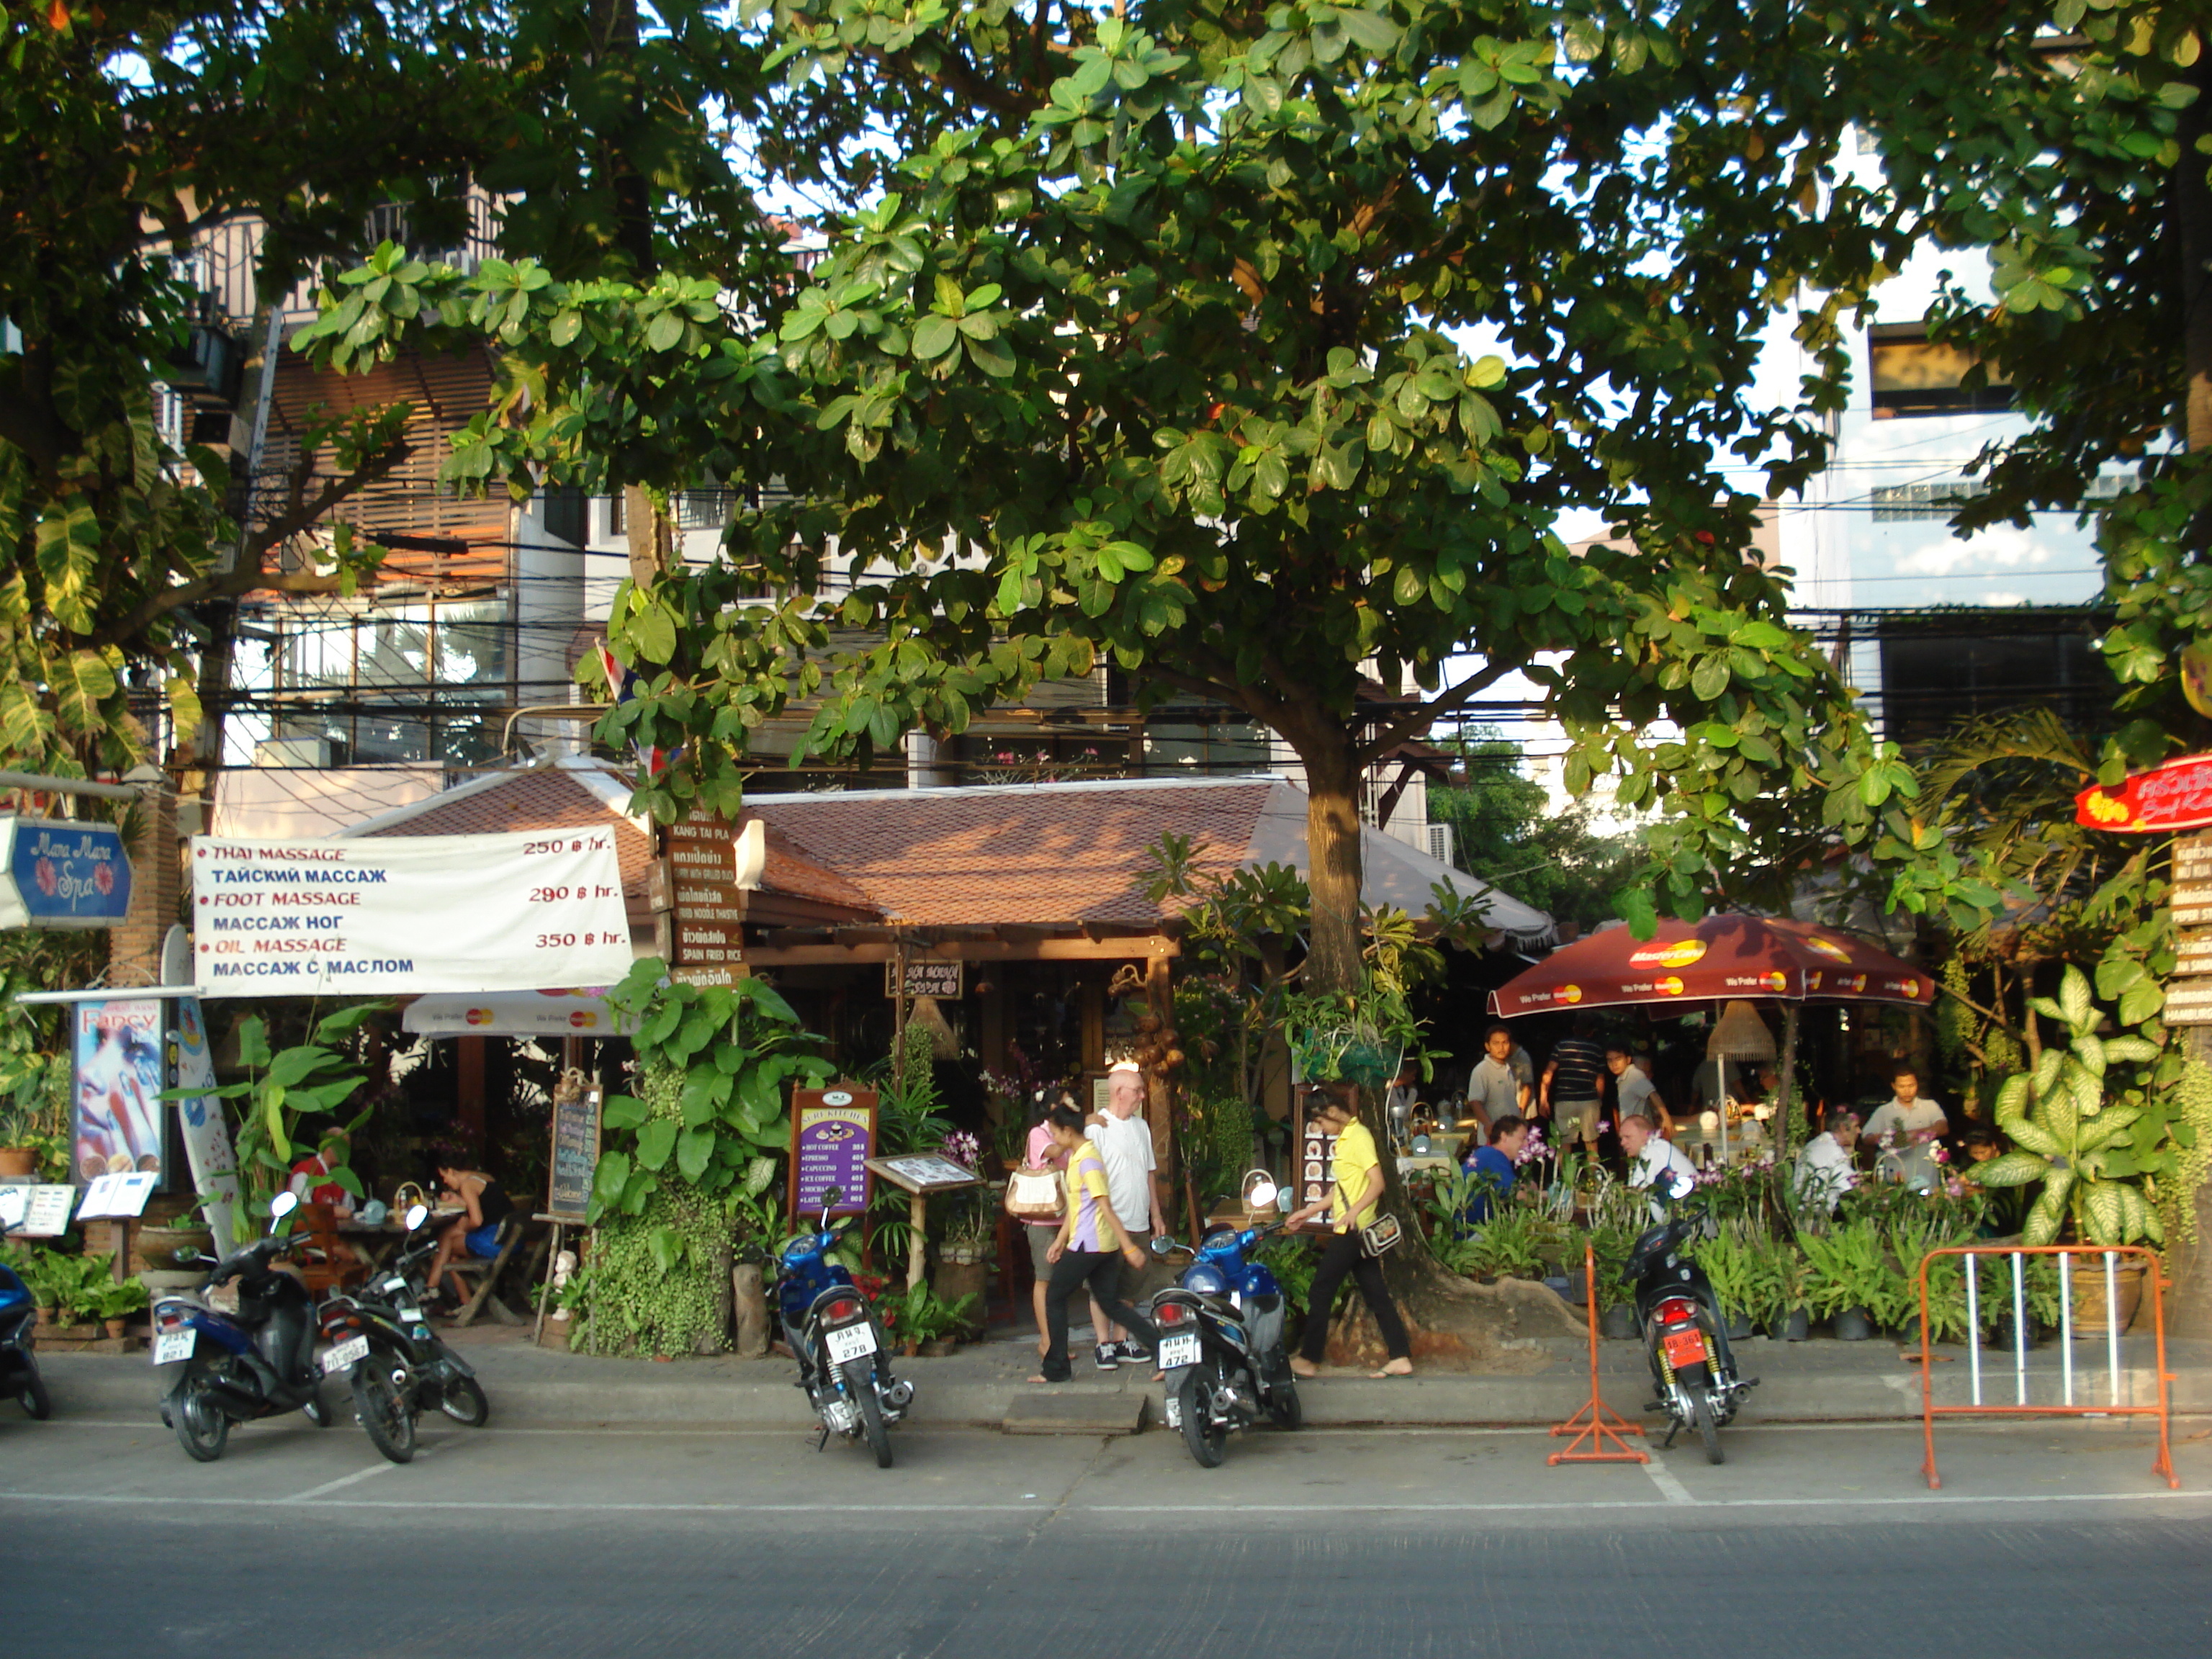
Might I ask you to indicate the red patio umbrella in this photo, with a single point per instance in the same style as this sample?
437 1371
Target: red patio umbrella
1720 957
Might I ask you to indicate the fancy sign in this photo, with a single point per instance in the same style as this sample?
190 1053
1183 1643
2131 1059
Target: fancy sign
2175 796
399 913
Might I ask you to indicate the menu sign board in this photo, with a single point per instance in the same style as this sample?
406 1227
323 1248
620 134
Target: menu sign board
576 1155
832 1133
701 873
514 911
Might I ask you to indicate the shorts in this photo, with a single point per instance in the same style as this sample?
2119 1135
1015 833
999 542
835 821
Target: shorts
1578 1115
482 1241
1040 1238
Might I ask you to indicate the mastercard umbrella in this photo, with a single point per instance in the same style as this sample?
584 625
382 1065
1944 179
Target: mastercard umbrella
576 1013
1720 957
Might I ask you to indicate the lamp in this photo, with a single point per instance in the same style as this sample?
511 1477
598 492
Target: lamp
1740 1034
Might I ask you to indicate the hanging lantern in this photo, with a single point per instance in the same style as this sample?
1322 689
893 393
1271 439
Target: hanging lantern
1740 1034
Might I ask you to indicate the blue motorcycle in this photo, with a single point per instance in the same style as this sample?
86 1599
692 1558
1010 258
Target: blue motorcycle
19 1366
258 1362
1221 1342
831 1330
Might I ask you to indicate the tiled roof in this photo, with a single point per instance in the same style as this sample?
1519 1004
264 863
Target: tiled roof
555 798
1039 854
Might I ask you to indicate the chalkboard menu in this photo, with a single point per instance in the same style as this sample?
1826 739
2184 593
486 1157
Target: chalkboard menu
575 1153
833 1130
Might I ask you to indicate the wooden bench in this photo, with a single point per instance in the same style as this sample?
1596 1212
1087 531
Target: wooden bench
484 1298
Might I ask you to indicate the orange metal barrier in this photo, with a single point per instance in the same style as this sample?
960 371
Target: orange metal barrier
1596 1423
2110 1256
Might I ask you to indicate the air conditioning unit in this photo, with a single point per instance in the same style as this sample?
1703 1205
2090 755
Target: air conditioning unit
300 754
1440 842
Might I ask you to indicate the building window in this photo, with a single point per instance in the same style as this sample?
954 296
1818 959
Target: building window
1913 375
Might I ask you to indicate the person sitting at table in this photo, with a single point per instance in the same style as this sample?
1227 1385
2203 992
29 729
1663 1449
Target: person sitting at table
1494 1166
311 1183
1649 1155
475 1232
1824 1168
1907 1128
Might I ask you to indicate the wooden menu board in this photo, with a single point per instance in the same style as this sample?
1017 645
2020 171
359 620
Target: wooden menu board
576 1155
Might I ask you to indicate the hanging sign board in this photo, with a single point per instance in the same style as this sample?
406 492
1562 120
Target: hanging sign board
2175 796
61 875
115 1122
699 879
832 1133
576 1155
408 913
926 977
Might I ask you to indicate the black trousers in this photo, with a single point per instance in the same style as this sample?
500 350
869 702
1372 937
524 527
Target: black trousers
1102 1271
1342 1256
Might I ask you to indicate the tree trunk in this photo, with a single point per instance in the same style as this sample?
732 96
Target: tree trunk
1333 874
2192 223
652 543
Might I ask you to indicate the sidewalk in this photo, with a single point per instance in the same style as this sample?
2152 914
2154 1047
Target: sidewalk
983 1385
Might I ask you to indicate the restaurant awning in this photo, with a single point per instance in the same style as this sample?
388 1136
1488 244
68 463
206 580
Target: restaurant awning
577 1013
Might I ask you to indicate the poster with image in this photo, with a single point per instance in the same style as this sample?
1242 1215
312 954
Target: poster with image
117 1123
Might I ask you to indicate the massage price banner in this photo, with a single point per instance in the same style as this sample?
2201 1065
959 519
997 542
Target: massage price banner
408 913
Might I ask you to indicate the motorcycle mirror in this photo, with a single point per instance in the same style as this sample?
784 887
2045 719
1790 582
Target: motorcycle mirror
1164 1245
1676 1185
280 1206
416 1215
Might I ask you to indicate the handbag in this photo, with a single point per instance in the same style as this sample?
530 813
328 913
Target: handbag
1379 1236
1036 1195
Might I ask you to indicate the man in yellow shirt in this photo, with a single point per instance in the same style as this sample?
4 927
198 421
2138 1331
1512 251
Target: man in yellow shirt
1354 1198
1090 1249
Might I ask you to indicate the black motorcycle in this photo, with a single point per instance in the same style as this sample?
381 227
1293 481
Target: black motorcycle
1685 1333
19 1366
396 1365
258 1362
1221 1342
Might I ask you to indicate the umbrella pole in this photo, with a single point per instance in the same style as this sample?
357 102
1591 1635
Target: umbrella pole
1787 1105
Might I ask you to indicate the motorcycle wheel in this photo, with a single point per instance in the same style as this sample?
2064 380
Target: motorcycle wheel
463 1400
387 1414
859 1378
37 1404
1708 1431
316 1409
1283 1404
202 1429
1207 1444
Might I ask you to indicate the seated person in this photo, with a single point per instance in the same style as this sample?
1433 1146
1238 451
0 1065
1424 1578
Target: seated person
1908 1127
1649 1155
1824 1168
475 1231
2007 1206
311 1183
1493 1166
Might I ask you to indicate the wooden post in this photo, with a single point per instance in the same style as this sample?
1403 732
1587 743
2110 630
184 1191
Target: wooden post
898 1013
1786 1106
918 1220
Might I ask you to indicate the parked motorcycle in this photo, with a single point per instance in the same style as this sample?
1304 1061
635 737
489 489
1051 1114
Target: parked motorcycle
1221 1339
19 1367
258 1362
399 1367
832 1331
1685 1333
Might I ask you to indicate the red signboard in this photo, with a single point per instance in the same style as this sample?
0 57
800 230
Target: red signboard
2175 796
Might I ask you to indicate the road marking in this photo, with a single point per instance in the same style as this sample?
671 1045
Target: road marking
386 1467
423 1505
1663 1478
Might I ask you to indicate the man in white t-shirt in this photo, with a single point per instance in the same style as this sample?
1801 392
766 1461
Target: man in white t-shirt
1908 1127
1825 1171
1648 1156
1124 1141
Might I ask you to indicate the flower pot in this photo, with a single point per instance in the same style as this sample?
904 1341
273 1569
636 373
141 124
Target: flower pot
1909 1332
115 1326
1740 1328
2091 1315
941 1348
1852 1325
2002 1336
1618 1323
955 1280
1573 1288
18 1161
157 1248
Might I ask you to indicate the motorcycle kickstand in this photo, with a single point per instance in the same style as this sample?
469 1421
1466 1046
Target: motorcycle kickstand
1673 1428
822 1439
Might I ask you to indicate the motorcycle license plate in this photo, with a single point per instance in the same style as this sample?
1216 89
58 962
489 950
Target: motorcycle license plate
1175 1411
1685 1348
173 1346
1176 1350
344 1355
853 1342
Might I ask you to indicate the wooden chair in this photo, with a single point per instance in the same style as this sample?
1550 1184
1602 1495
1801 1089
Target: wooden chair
486 1273
325 1261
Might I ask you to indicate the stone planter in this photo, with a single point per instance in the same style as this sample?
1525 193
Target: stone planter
943 1347
955 1280
2091 1315
156 1249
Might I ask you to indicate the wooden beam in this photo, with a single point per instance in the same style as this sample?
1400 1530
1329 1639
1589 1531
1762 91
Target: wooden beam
1046 950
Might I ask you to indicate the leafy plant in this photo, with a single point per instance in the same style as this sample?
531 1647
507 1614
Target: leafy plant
1850 1267
1293 1261
282 1088
918 1314
2094 1156
109 1300
1731 1266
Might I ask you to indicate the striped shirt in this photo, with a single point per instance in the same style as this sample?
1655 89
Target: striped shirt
1577 1065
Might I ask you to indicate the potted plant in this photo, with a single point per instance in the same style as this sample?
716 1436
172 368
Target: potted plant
1783 1270
1611 1242
922 1321
19 1124
1852 1282
1729 1264
113 1304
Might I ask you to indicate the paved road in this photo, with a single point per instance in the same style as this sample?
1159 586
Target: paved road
516 1544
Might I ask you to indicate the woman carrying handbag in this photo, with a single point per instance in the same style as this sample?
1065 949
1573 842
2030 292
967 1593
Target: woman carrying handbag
1036 1196
1359 1238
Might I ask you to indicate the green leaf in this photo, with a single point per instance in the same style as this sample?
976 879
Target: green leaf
665 333
934 336
694 1148
655 1142
2012 1170
621 1112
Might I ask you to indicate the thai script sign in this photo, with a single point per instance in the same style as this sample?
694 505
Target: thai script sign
2175 796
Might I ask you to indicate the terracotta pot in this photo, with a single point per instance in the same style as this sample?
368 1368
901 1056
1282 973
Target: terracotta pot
2091 1316
18 1161
115 1326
